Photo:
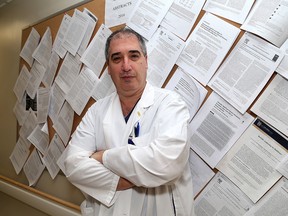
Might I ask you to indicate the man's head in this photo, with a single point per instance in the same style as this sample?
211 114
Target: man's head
126 58
121 32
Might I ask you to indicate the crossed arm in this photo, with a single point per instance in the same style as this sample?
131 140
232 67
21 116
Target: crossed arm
123 183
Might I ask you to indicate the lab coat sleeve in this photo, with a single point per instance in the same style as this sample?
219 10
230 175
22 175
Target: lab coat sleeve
87 174
163 159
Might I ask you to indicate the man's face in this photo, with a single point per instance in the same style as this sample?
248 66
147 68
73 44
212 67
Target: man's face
127 65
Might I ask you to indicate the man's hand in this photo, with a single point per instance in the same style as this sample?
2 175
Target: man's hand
123 183
98 156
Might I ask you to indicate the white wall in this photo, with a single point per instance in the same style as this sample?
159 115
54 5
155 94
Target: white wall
13 18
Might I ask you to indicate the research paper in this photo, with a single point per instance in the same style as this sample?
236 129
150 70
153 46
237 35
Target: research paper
43 51
201 172
21 83
92 21
206 47
80 92
57 98
76 31
274 203
94 57
58 41
51 69
215 129
43 99
246 70
33 167
283 66
103 87
30 46
251 163
181 17
272 105
163 50
236 11
192 92
117 12
20 154
37 73
68 72
147 16
52 154
64 122
269 19
39 139
222 197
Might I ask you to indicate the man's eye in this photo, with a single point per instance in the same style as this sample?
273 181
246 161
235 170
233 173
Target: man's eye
134 57
116 59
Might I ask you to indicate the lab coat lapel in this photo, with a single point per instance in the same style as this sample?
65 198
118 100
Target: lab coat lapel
114 123
143 105
116 130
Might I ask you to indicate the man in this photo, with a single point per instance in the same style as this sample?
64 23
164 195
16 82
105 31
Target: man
129 154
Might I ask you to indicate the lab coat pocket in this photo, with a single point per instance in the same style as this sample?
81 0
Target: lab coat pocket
143 140
86 209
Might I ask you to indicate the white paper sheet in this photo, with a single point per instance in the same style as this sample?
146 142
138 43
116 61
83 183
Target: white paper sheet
191 91
222 197
246 70
206 47
181 17
272 105
269 19
147 16
251 162
236 11
215 128
81 90
163 50
94 56
117 12
30 46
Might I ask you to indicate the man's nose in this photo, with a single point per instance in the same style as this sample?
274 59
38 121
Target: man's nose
126 64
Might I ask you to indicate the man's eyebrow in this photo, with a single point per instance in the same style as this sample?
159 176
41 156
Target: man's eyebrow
130 51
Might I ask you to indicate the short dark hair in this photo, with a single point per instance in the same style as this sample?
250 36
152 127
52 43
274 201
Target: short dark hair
125 31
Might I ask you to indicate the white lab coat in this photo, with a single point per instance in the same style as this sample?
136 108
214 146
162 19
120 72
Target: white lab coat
157 164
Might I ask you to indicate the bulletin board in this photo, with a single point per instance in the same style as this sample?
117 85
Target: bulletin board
97 7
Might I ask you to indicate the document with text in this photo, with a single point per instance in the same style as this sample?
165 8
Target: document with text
206 47
269 19
283 66
58 41
272 105
81 91
215 128
274 202
163 50
33 167
251 163
29 47
201 172
53 153
76 31
147 16
192 92
236 11
246 70
64 122
117 12
94 57
43 51
181 17
222 197
68 72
